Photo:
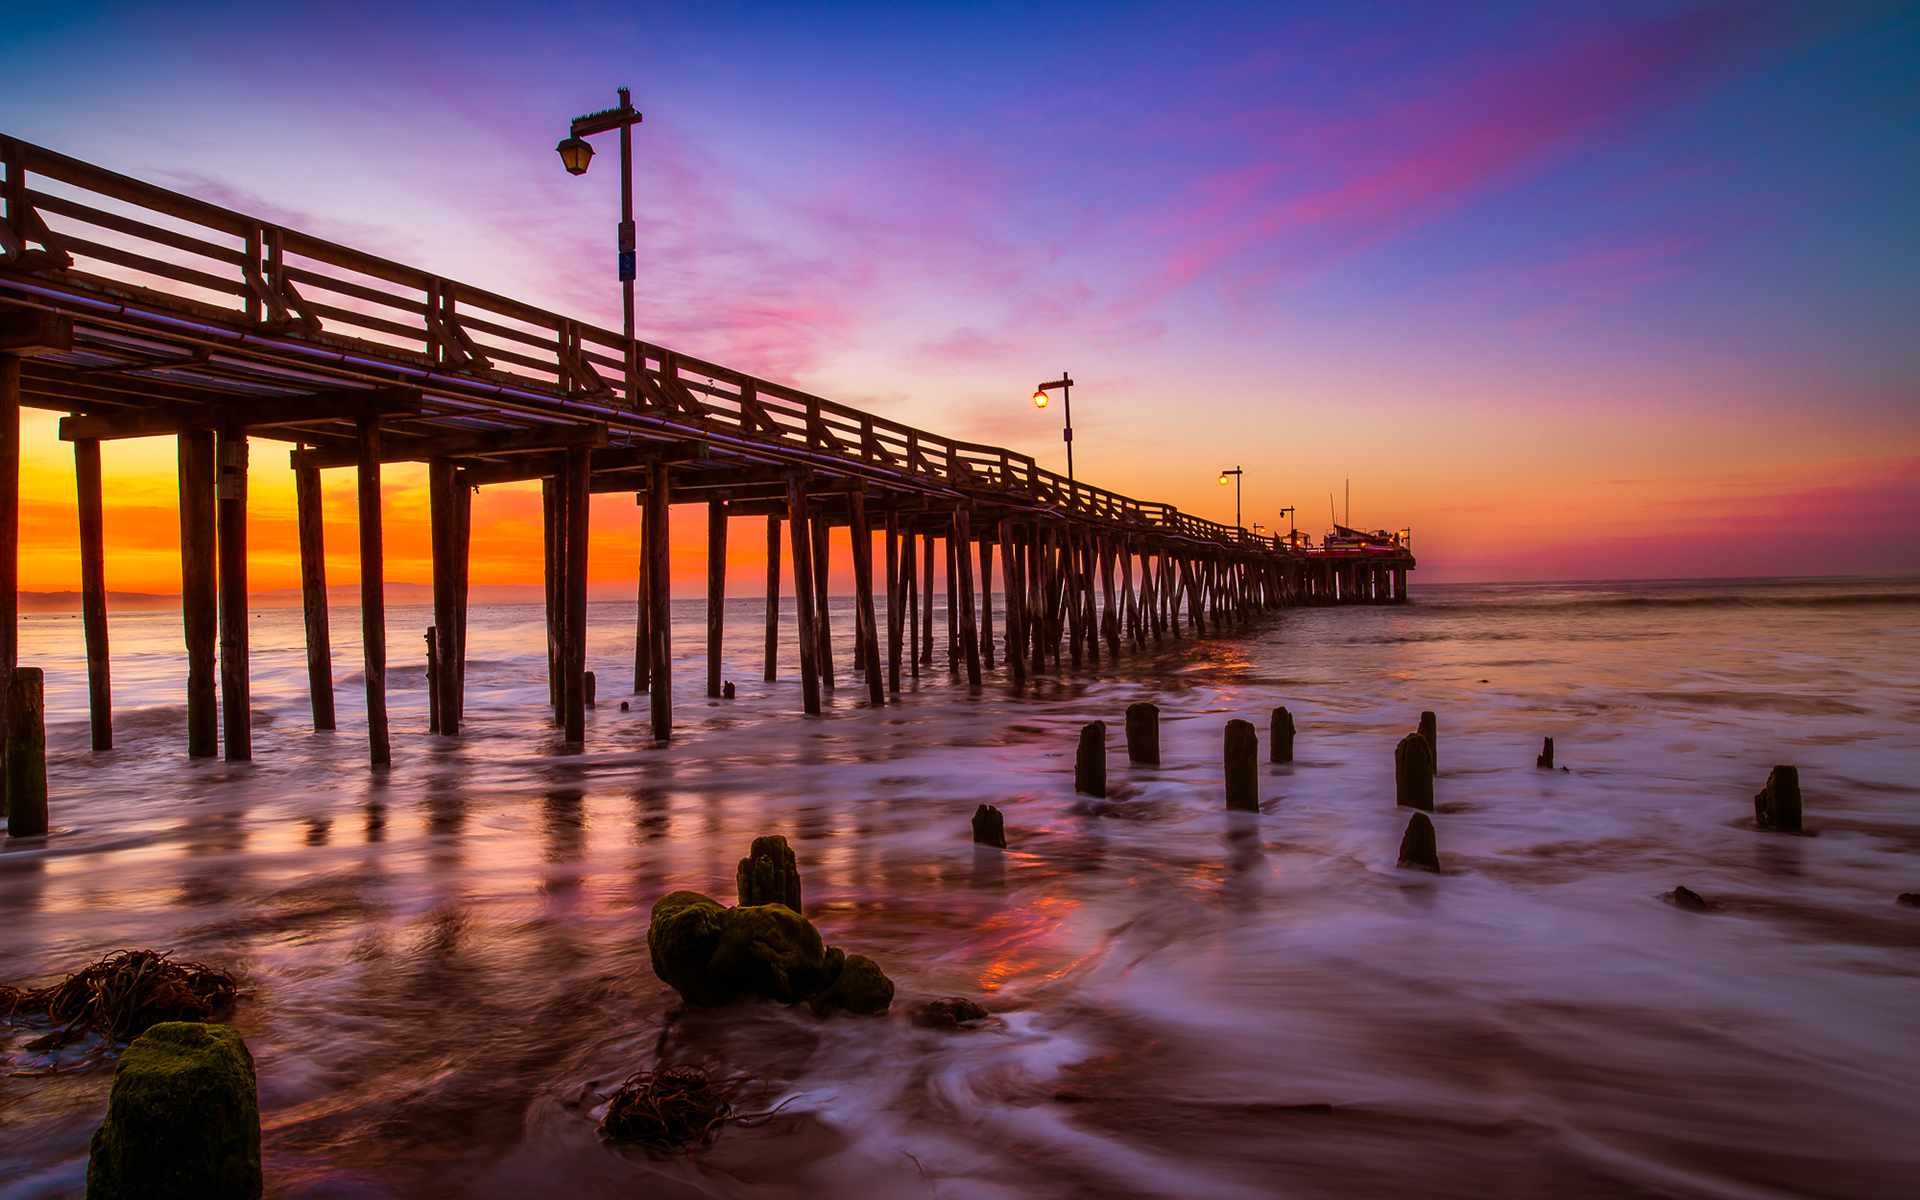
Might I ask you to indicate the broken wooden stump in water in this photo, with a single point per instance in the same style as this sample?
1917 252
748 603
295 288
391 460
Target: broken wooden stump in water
624 707
589 689
1545 757
1419 849
1688 899
1280 734
1243 766
1910 899
1413 773
1143 733
1777 805
26 754
183 1118
1090 761
989 827
769 874
1430 730
727 690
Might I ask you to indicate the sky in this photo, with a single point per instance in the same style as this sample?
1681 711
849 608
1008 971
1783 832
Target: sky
1573 291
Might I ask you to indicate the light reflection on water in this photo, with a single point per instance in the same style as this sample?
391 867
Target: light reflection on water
445 958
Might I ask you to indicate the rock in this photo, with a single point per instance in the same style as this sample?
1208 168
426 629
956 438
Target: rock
1777 805
769 950
1243 766
1090 761
1280 733
950 1012
769 874
1688 899
1545 757
1143 733
624 707
862 988
989 827
1413 773
1419 849
1430 730
1910 899
183 1120
682 936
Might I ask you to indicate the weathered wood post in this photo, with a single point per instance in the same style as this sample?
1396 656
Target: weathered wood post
953 600
1110 612
553 501
910 599
1143 733
373 594
1419 849
26 753
1280 735
800 526
822 619
863 614
927 586
578 507
199 589
643 607
894 591
1777 805
10 529
716 590
433 676
1243 766
1413 773
1039 613
1545 758
986 601
989 827
313 594
1016 608
443 708
961 543
93 590
1090 761
773 598
1430 730
660 600
462 574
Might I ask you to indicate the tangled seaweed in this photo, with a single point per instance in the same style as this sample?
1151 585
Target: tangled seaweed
675 1109
121 997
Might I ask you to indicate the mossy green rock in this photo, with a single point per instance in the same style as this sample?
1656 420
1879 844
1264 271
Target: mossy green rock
769 950
682 936
183 1119
769 874
861 988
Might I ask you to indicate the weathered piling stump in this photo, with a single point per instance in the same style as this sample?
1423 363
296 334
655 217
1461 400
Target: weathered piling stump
1545 757
1413 773
1419 849
1090 761
727 690
989 827
1280 736
769 874
1910 899
625 707
1143 733
183 1119
1243 766
1777 805
590 690
1430 730
26 754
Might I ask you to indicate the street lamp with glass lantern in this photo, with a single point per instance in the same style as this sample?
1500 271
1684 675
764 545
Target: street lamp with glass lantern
1236 473
576 153
1063 385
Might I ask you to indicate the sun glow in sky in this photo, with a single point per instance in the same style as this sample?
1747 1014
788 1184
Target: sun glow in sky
1573 290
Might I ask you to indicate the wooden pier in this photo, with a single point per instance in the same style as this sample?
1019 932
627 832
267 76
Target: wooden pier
142 312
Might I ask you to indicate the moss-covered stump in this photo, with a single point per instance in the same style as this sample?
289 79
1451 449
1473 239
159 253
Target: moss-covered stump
769 950
769 874
861 988
713 956
1419 849
183 1119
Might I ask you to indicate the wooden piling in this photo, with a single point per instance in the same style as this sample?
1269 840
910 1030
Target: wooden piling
25 753
1430 730
954 633
1143 733
962 545
659 601
1280 733
199 589
1110 612
1419 849
1243 766
10 516
986 603
894 592
1090 761
643 606
313 594
553 525
230 504
989 827
773 598
578 509
1016 614
863 614
716 590
926 601
1413 773
442 709
800 526
373 596
462 574
822 621
1544 759
93 590
910 599
1777 805
433 677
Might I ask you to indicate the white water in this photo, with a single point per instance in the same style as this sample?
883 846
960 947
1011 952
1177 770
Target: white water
444 957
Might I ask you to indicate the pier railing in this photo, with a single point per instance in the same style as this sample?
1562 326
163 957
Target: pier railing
485 360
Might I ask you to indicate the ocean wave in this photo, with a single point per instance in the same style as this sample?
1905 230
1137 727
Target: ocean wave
1642 603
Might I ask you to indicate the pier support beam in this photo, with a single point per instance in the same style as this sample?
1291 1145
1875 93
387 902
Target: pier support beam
443 686
643 616
986 602
773 597
659 601
801 526
574 642
823 627
373 596
863 615
199 590
893 600
1011 558
926 602
961 543
313 594
716 590
93 590
236 694
910 599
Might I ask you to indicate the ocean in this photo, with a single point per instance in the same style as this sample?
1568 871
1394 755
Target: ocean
446 970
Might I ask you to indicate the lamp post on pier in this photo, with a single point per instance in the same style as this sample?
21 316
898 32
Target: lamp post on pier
576 152
1063 385
1236 473
1287 512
